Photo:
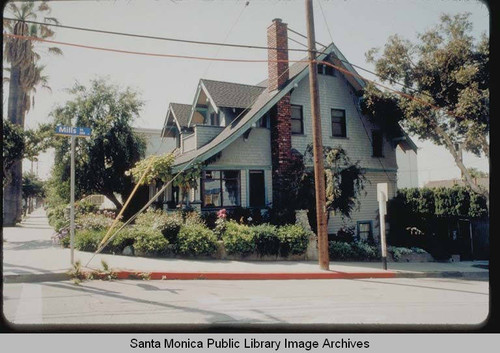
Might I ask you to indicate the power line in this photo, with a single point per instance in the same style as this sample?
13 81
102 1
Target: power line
406 95
234 45
133 35
146 53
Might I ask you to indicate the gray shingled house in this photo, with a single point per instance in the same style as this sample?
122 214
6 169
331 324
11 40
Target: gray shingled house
245 134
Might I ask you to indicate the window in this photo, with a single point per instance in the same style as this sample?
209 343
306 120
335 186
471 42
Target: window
297 120
365 230
220 188
264 121
214 119
326 70
377 143
329 71
338 123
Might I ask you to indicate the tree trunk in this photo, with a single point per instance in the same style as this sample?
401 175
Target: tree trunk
12 196
12 193
114 200
458 161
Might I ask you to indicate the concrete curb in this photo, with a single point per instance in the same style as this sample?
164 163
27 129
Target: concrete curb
144 275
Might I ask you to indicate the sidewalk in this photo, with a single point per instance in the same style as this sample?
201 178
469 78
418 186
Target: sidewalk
29 256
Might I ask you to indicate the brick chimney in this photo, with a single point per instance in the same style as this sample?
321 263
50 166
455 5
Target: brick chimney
277 37
281 126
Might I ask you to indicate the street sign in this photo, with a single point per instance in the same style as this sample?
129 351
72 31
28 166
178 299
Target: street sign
73 131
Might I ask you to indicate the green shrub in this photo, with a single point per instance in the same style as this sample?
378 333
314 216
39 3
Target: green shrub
293 239
88 239
196 239
95 222
85 207
363 251
148 241
168 224
266 238
193 217
56 216
340 251
238 239
125 237
397 252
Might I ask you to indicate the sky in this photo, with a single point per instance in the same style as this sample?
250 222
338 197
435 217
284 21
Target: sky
354 25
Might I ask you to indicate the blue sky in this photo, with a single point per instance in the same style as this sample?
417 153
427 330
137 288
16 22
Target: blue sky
355 27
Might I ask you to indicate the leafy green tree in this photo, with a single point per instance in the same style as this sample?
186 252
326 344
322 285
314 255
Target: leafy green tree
476 173
344 183
101 160
33 187
19 144
447 73
13 148
25 75
159 169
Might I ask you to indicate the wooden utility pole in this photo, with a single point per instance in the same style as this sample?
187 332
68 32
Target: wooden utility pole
319 172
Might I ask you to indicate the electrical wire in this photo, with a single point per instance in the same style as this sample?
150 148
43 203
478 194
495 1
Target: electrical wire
206 43
227 36
188 41
146 53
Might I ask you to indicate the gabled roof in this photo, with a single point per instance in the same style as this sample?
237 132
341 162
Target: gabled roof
263 101
177 116
181 113
230 94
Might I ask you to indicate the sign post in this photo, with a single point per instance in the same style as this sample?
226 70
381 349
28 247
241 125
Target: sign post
73 133
382 192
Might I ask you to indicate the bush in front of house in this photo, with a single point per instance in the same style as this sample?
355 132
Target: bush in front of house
95 222
56 216
168 224
85 207
293 239
266 238
238 239
148 241
125 237
339 250
88 239
196 239
364 251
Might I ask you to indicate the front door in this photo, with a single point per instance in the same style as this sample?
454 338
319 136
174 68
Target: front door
257 189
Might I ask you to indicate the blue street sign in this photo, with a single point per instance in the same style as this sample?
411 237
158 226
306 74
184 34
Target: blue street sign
73 131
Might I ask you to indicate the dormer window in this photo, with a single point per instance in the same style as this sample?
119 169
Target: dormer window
326 70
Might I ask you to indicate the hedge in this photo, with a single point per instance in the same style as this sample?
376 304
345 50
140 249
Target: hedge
196 239
238 239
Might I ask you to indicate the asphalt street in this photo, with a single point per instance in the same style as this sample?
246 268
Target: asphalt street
438 301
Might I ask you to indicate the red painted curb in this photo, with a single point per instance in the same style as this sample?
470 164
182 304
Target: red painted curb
249 275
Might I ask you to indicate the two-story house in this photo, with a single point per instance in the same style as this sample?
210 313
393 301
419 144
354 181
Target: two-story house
245 134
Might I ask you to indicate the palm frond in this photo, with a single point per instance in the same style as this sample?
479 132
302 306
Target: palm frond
55 51
51 19
44 7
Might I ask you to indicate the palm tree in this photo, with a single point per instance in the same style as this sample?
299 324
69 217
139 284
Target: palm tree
25 75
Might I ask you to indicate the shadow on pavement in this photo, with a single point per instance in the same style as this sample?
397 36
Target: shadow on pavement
30 245
419 286
212 316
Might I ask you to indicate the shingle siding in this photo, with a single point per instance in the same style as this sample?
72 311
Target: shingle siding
336 93
256 150
369 210
206 133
